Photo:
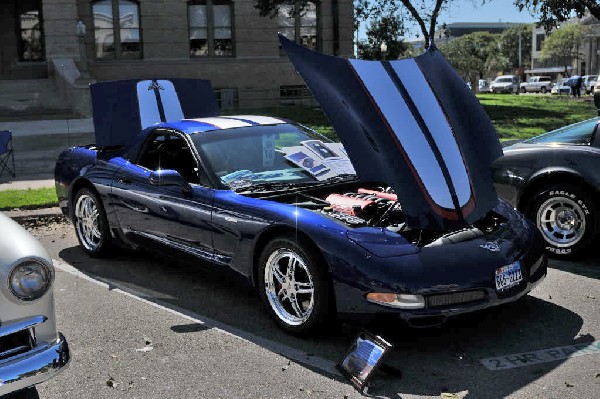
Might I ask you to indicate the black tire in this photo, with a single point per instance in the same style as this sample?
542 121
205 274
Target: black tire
569 206
322 311
544 90
96 243
523 90
27 393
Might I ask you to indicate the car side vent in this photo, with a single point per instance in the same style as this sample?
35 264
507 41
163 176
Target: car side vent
440 300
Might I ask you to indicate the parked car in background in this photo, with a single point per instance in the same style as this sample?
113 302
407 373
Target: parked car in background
483 86
589 83
555 180
536 84
505 84
31 349
561 87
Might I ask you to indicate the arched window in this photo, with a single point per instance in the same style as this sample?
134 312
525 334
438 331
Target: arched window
117 29
300 24
211 28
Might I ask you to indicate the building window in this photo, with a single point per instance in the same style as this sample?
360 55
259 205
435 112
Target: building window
539 41
117 29
31 45
211 32
300 24
226 98
295 95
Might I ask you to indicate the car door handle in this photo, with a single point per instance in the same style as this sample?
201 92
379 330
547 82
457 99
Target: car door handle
124 181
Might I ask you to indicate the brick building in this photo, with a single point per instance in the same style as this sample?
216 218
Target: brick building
42 48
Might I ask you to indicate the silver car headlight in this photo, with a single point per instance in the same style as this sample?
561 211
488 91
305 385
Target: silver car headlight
30 279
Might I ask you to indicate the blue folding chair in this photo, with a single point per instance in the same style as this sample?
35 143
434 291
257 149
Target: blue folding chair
7 157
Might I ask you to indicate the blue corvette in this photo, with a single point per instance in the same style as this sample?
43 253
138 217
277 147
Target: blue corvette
399 219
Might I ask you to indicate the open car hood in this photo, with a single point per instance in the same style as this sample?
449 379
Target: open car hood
122 108
412 124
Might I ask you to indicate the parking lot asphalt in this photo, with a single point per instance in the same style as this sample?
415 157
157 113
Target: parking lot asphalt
142 325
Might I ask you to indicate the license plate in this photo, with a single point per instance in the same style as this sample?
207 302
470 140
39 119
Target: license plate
508 276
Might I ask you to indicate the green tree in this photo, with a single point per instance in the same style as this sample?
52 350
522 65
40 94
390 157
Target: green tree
562 45
386 30
553 12
509 44
476 55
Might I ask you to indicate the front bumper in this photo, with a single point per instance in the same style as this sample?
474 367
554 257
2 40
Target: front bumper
430 317
34 366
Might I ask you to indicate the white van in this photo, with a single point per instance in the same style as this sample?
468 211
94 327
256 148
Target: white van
505 84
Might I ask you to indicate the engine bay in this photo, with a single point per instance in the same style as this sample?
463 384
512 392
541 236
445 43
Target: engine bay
376 205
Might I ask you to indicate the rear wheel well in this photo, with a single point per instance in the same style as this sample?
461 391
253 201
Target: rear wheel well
528 195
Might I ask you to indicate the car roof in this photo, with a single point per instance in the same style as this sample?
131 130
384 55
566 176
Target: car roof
190 126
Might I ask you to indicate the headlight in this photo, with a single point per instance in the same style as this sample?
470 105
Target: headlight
400 301
30 279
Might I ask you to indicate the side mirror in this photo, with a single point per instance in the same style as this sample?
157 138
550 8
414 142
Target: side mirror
168 177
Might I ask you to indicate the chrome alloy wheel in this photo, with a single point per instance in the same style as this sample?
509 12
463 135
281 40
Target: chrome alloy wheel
562 221
289 287
87 222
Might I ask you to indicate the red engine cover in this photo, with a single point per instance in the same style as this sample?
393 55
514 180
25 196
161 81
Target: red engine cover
379 194
344 204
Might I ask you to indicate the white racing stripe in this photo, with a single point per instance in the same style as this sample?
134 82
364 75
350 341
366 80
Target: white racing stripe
221 123
170 101
325 365
148 106
261 120
420 92
541 356
396 112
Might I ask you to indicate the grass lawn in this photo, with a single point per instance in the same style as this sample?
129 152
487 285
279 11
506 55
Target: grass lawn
514 116
29 199
525 116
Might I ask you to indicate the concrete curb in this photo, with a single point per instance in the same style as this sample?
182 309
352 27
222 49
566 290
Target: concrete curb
19 215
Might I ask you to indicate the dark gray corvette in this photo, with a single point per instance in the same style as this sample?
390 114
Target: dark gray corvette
555 179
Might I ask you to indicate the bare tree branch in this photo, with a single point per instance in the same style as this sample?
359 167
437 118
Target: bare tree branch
417 17
434 15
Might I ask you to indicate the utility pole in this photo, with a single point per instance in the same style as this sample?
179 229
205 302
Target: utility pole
520 63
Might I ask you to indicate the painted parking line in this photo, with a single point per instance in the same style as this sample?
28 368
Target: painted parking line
541 356
301 357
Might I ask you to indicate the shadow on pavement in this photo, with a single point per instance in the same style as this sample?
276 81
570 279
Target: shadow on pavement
432 361
588 266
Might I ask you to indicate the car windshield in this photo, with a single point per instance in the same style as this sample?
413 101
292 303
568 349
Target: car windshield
272 154
504 80
579 134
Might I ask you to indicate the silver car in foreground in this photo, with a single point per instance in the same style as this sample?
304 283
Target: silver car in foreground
31 349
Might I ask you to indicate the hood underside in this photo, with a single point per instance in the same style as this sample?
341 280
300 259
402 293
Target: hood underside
412 124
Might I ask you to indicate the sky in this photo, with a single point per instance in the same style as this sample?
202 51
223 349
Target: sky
474 11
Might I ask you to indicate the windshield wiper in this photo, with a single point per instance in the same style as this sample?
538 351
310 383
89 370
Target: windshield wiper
268 186
340 178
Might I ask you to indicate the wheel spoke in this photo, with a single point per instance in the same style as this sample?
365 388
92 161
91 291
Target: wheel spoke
278 274
296 306
291 267
304 288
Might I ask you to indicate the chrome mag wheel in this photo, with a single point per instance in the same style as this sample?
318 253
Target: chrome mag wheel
87 222
289 287
562 221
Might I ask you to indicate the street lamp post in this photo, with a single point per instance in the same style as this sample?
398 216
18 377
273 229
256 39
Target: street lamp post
383 49
84 75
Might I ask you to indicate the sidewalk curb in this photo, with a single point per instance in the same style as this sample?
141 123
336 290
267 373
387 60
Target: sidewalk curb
22 215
